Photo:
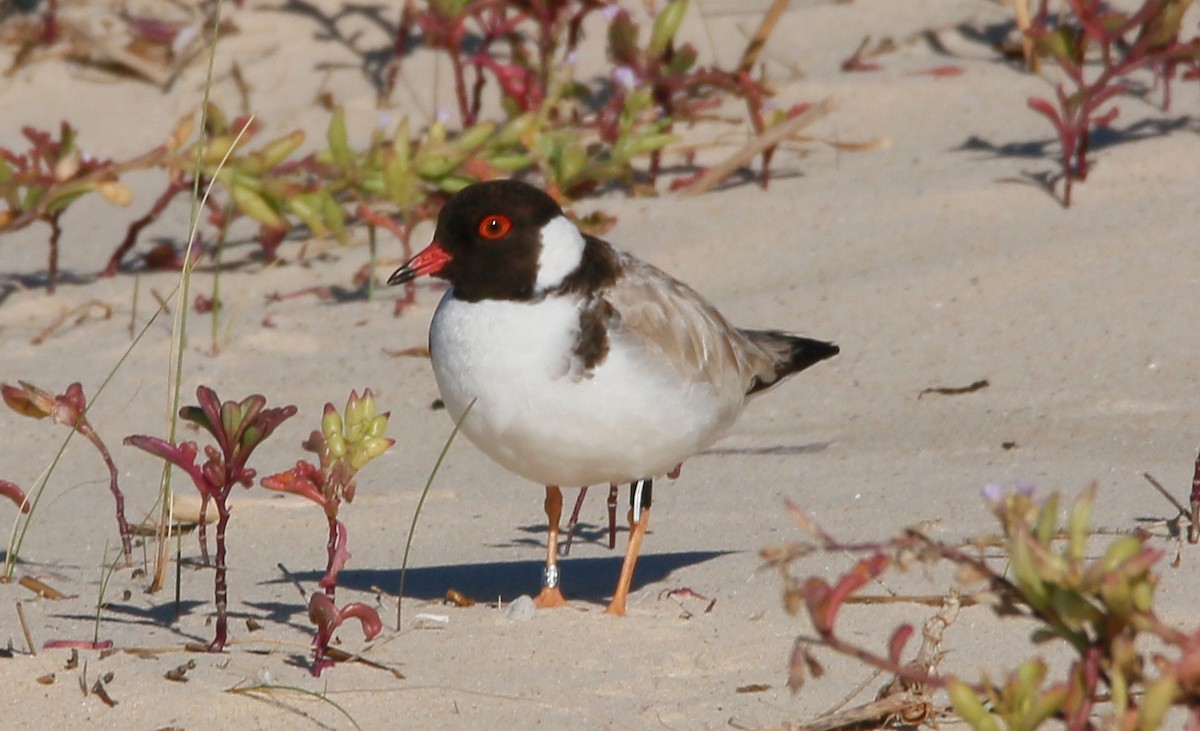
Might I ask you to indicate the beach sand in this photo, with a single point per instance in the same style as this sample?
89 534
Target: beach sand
934 259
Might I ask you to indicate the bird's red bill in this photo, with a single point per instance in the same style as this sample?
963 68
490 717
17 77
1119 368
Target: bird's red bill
431 260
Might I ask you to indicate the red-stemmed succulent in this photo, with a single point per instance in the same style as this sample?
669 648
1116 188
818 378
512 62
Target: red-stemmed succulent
39 184
579 135
238 427
344 445
1097 605
70 410
1123 43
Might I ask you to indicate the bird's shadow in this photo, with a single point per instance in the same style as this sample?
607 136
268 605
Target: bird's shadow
584 579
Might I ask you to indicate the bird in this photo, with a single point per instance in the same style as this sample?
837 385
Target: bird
581 364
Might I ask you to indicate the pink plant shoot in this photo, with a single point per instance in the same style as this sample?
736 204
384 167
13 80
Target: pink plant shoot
238 428
327 617
13 492
70 410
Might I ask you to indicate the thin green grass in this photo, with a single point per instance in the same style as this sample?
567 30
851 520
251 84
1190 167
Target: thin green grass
264 692
106 572
412 528
179 326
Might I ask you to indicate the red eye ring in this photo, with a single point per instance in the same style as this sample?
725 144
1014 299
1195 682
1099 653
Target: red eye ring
495 227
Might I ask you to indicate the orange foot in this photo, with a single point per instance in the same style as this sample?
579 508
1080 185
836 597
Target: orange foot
549 599
615 609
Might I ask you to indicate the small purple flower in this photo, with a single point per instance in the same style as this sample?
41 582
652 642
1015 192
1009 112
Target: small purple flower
625 77
383 120
610 11
442 116
1025 487
993 493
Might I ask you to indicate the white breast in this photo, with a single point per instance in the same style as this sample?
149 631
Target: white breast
631 417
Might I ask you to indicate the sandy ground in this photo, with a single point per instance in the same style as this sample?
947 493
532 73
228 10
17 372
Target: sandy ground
937 261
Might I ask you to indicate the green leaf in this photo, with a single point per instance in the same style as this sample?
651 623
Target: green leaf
1156 702
256 207
307 207
402 142
475 136
453 183
510 163
1079 524
572 161
1025 572
438 163
1047 521
277 151
64 198
396 180
511 133
339 140
32 196
666 25
969 707
628 148
335 217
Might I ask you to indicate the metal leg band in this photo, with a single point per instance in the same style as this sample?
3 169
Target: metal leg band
550 577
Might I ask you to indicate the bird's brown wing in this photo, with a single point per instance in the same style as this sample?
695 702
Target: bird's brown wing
687 334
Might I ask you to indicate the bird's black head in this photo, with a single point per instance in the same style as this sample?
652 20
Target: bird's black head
502 239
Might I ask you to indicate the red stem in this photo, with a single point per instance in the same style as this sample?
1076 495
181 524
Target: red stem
331 549
202 533
220 587
174 188
50 31
460 89
55 233
85 428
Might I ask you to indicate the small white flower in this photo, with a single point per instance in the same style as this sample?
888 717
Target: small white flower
625 77
993 493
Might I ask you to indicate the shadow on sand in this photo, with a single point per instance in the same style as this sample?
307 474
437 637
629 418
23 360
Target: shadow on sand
584 579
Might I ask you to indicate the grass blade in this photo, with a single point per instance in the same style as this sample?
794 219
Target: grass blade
412 528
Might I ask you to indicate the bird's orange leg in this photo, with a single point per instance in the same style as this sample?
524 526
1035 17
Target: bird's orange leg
551 595
639 519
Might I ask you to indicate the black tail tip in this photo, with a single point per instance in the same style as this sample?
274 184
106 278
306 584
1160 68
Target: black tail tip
807 352
791 354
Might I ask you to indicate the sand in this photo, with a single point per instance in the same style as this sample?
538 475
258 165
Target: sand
936 260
